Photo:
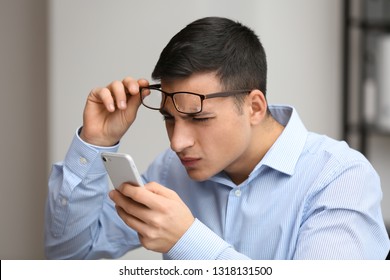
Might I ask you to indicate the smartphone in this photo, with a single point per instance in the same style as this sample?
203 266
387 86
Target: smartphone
121 169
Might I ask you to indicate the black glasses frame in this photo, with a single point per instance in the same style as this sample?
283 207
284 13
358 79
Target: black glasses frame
201 96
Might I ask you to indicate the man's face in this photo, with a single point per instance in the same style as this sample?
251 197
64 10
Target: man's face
216 139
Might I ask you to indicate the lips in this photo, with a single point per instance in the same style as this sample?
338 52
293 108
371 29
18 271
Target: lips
189 161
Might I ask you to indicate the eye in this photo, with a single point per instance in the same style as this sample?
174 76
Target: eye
201 119
167 118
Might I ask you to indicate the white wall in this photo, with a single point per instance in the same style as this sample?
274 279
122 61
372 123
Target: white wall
92 42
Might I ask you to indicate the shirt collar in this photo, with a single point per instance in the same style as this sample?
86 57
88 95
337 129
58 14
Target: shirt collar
285 152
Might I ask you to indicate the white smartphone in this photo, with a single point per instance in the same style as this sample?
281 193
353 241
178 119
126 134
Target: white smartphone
121 169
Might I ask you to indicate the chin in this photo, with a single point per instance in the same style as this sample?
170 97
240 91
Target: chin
199 176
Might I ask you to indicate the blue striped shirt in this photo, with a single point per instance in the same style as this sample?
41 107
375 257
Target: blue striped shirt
310 197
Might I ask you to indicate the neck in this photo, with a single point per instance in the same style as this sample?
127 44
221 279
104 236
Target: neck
264 136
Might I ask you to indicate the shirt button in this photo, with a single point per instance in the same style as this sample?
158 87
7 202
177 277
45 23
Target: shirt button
64 201
237 193
83 160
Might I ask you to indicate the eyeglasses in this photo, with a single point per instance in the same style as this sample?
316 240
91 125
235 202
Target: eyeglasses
154 98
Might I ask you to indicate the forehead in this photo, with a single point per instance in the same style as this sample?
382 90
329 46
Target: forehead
202 83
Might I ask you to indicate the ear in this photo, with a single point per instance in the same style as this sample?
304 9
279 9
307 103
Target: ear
257 106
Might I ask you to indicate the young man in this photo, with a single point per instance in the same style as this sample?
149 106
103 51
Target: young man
241 179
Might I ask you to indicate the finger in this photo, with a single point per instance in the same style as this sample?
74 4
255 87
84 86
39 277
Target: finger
153 195
103 95
161 190
143 82
117 89
130 220
131 85
132 89
145 232
128 205
134 214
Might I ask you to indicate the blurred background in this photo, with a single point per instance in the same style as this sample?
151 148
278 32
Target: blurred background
53 52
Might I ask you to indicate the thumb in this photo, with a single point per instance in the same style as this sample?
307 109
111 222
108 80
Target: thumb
135 100
133 103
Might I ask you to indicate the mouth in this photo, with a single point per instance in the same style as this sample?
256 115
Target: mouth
189 162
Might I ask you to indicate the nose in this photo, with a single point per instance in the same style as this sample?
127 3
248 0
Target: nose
181 137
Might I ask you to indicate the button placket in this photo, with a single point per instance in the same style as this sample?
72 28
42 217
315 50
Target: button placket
233 212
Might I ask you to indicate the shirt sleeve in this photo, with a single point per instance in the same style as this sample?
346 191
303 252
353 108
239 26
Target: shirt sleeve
81 221
201 243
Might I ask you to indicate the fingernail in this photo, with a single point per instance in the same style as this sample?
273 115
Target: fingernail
134 88
123 104
111 107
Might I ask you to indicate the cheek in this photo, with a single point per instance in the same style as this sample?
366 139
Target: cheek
225 141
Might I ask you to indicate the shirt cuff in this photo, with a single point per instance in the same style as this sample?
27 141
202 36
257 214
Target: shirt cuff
198 243
83 158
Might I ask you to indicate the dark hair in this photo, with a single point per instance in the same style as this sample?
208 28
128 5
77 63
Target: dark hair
215 44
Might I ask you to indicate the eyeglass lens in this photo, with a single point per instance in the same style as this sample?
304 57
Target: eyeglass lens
184 102
152 98
187 103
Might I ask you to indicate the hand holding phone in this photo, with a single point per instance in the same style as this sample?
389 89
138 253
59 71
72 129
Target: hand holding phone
121 169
